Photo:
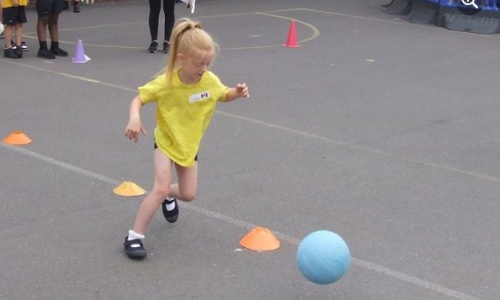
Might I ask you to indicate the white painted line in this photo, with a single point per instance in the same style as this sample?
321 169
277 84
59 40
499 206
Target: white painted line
61 164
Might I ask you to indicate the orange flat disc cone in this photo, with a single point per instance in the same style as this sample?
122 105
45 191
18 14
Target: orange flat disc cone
260 239
17 138
128 188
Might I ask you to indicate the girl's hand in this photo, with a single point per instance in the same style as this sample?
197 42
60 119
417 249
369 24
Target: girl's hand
242 90
134 128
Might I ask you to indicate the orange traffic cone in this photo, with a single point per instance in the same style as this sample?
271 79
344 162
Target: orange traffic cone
260 239
17 138
291 41
128 188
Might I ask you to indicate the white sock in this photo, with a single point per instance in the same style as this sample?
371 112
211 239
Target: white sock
132 235
170 198
171 205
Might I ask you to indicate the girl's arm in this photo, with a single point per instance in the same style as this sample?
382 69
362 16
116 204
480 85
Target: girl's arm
241 90
134 127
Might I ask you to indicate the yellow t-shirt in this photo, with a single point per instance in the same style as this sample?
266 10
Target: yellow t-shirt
8 3
183 113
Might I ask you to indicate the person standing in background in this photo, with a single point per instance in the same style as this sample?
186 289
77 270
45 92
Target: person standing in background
154 17
13 18
48 16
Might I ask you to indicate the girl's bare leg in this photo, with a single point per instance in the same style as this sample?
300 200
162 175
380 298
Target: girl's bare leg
148 208
187 186
19 33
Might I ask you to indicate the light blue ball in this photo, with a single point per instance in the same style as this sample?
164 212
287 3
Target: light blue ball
323 257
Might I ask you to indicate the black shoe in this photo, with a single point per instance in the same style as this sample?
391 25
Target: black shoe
170 215
153 47
66 5
19 51
10 53
76 8
166 47
45 53
134 248
58 51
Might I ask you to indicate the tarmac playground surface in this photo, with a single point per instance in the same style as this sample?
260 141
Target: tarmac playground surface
380 130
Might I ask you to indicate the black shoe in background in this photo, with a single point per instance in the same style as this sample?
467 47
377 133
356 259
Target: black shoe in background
45 53
153 47
19 51
58 51
166 47
10 53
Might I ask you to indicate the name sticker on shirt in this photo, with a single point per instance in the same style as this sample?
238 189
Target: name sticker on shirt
199 97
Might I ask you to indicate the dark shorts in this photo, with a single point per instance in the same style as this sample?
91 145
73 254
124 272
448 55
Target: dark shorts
195 158
45 8
14 15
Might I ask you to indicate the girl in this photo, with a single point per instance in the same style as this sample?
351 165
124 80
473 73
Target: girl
186 95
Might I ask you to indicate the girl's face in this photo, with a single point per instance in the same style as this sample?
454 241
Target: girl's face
194 66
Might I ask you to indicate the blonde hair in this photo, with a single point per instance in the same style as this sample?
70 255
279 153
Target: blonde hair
189 38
